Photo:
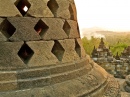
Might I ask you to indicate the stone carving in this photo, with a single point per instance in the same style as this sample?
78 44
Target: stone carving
91 79
112 88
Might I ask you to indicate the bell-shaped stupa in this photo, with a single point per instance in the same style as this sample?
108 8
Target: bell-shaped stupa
41 53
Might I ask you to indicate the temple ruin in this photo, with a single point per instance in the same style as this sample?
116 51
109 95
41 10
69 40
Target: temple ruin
41 53
119 66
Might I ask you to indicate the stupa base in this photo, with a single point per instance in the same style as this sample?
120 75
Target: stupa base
82 78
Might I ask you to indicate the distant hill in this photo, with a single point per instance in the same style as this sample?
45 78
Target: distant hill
114 37
117 41
88 32
110 36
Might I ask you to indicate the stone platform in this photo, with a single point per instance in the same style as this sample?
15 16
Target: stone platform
82 78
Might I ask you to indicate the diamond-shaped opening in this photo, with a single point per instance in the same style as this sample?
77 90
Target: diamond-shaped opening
71 12
7 28
66 28
41 27
77 48
23 6
53 6
58 50
25 53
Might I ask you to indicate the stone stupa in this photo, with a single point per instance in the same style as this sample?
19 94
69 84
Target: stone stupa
41 53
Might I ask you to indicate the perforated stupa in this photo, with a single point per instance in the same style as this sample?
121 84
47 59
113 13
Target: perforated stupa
41 53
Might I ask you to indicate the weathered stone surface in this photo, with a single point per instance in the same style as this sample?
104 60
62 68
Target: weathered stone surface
2 36
68 76
8 81
8 55
63 10
19 93
66 10
31 73
70 53
72 9
125 94
75 83
8 76
8 9
82 63
64 68
68 89
112 88
39 8
82 86
34 82
71 1
8 86
55 30
41 82
24 84
47 91
74 33
22 32
42 53
58 78
83 53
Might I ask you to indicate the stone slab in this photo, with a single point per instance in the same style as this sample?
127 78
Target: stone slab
8 86
66 10
9 58
70 53
63 10
31 73
8 9
2 36
55 30
19 93
83 53
74 33
42 54
39 8
22 32
8 76
63 68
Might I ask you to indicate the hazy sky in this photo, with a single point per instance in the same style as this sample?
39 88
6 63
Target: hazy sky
111 14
